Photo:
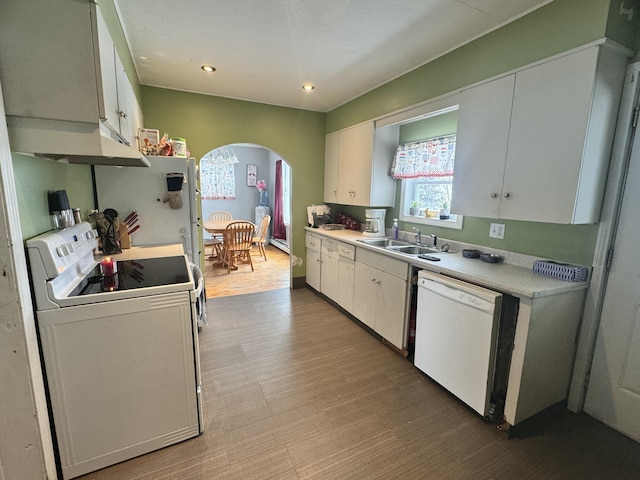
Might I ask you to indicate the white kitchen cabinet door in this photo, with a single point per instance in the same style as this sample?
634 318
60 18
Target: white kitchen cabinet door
346 275
357 163
313 245
391 294
356 154
329 282
379 300
331 162
108 71
481 148
126 100
559 127
549 123
364 294
346 279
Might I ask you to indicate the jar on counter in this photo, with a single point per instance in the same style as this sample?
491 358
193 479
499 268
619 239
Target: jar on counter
77 216
179 147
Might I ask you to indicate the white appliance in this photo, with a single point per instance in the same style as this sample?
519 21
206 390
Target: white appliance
374 222
144 190
120 351
261 212
456 337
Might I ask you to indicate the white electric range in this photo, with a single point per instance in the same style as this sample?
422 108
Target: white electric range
120 351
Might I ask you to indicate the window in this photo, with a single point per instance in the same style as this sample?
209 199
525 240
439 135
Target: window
426 170
217 180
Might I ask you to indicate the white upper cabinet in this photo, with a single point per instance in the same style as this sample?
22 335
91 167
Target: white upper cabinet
357 163
48 66
57 62
535 145
122 114
108 75
481 153
331 152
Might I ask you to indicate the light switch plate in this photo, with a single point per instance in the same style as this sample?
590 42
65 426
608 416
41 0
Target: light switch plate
496 230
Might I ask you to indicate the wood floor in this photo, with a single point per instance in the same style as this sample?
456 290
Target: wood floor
295 390
267 275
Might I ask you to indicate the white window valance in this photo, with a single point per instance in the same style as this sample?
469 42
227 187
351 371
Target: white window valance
429 158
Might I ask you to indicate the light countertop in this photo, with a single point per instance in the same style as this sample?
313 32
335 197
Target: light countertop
513 279
148 251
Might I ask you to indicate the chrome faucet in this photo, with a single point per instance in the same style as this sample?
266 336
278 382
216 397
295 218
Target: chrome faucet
417 235
435 241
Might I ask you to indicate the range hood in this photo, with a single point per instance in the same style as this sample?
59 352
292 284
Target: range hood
70 142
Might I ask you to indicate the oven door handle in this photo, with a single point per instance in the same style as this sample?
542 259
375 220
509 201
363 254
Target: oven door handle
198 277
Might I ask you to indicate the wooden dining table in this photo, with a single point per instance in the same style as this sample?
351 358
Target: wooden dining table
217 227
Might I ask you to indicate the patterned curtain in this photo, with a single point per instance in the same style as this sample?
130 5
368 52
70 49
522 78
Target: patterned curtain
427 158
217 182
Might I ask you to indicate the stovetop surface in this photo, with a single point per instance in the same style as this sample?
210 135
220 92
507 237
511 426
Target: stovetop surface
135 274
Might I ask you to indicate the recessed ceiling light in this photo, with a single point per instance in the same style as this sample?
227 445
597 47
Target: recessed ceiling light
208 68
308 87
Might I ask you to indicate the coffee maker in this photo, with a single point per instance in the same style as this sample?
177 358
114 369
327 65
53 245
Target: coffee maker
374 222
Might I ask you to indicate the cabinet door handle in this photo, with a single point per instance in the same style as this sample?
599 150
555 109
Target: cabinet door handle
378 282
494 195
373 280
506 195
121 114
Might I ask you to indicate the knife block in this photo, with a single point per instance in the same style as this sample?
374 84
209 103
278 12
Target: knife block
125 238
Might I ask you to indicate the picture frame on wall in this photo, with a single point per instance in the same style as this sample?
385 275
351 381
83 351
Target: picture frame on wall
252 175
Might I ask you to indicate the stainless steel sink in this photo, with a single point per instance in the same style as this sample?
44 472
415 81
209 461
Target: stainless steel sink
384 242
400 246
416 250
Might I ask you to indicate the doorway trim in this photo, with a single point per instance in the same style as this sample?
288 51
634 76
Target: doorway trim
609 217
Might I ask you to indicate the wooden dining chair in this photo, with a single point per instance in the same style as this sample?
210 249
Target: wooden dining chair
237 243
261 235
216 240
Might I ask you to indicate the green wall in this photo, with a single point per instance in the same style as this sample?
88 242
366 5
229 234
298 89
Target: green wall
298 136
208 122
556 27
35 177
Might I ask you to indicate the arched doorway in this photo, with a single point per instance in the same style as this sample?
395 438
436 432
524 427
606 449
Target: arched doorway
229 177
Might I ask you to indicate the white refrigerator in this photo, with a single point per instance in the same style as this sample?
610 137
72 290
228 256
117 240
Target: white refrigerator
146 192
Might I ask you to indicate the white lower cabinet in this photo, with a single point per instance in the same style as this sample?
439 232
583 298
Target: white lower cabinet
370 286
380 293
346 276
313 244
330 268
329 282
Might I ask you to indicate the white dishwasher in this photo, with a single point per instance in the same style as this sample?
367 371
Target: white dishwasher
456 337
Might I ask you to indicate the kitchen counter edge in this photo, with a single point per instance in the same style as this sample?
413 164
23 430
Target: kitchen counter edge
512 279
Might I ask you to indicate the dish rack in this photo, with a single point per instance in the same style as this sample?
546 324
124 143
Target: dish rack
561 271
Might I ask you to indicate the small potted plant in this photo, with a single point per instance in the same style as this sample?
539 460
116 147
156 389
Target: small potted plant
414 207
444 211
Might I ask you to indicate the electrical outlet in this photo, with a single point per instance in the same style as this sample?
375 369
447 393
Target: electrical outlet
496 230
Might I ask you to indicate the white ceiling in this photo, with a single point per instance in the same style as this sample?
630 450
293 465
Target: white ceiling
264 50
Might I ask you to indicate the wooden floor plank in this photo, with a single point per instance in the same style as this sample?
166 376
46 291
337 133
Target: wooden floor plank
293 389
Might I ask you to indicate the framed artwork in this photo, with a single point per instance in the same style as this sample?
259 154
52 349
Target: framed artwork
252 175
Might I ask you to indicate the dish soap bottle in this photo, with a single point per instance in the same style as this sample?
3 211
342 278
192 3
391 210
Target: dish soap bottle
395 229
